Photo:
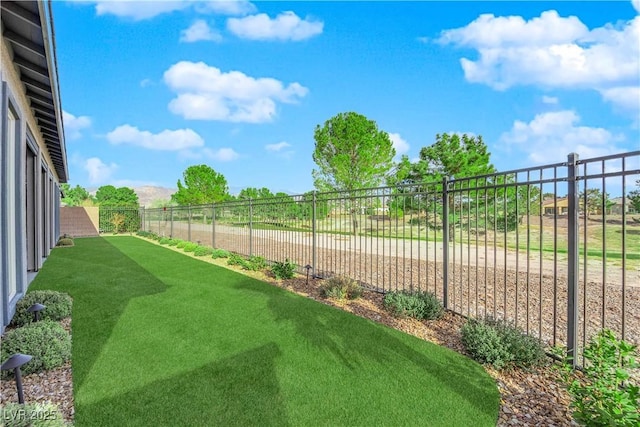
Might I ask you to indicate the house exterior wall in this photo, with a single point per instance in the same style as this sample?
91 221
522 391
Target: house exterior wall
29 190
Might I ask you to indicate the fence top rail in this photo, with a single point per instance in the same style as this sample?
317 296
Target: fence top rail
504 179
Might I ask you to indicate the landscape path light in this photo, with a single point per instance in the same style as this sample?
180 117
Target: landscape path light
308 267
15 362
36 309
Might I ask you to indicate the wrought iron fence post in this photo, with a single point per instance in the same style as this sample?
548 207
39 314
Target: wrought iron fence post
143 218
250 227
313 234
445 242
171 225
572 258
189 223
213 225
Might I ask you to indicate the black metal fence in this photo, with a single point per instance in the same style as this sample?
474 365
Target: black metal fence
545 247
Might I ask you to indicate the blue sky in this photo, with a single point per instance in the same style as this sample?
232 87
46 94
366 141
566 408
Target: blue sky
150 88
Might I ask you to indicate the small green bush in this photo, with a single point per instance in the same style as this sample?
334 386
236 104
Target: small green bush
502 345
419 305
202 251
181 244
32 415
341 287
164 241
173 242
220 253
284 270
58 306
65 241
255 263
235 259
46 341
605 395
190 247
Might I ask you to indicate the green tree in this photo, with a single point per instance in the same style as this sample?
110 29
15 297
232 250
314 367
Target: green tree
634 197
351 154
108 195
593 201
255 193
74 196
202 185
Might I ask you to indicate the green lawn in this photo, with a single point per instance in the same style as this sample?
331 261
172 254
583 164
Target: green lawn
163 339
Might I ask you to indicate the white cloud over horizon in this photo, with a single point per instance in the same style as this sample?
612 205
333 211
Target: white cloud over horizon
285 26
550 136
399 144
277 147
139 10
199 31
74 125
551 51
552 100
206 93
98 172
167 140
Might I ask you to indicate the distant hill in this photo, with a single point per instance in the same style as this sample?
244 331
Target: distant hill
149 193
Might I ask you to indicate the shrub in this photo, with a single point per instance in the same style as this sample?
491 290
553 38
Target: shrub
65 241
501 344
604 396
164 241
32 415
220 253
117 221
235 259
181 244
202 251
190 247
341 287
46 341
419 305
255 263
58 307
284 270
173 242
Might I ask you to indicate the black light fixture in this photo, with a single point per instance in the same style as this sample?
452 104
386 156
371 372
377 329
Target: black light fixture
15 362
36 309
308 267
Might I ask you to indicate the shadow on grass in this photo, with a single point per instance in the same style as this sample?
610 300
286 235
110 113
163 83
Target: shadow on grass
353 340
101 280
240 390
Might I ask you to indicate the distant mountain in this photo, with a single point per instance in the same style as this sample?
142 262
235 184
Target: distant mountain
148 193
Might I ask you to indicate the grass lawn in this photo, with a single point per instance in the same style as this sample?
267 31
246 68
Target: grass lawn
163 339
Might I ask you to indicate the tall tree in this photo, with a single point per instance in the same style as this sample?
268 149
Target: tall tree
202 185
74 196
255 193
351 153
108 195
634 197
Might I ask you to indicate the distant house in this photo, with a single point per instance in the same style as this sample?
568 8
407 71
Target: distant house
557 206
32 151
616 207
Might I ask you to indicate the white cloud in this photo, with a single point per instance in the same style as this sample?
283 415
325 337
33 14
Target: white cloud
73 125
627 98
285 26
226 7
167 140
99 172
550 51
401 146
206 93
146 82
277 147
139 10
550 136
221 155
636 5
549 99
198 31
